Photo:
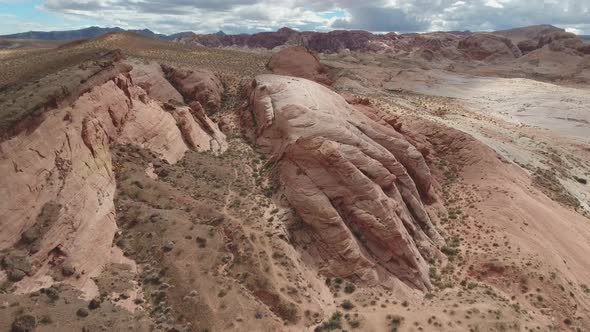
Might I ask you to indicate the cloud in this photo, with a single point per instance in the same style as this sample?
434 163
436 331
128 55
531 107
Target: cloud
234 16
381 19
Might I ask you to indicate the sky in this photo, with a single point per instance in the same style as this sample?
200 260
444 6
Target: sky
249 16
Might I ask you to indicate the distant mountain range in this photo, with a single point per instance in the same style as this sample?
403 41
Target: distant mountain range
90 32
264 39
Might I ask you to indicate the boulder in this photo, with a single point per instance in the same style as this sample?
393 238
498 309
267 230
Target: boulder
298 61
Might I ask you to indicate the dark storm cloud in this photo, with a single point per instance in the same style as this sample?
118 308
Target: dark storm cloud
74 5
148 6
156 6
381 19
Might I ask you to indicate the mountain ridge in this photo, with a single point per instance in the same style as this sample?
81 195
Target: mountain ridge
89 32
96 31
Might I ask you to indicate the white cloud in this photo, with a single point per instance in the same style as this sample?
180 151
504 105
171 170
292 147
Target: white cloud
494 4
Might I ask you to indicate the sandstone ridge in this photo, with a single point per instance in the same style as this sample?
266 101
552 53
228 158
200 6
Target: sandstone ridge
357 182
58 205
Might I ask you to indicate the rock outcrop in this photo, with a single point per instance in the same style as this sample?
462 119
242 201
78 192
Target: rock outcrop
488 47
538 37
533 32
196 86
59 181
557 36
353 178
299 61
151 78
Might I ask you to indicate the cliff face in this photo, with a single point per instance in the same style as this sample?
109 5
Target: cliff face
59 185
356 181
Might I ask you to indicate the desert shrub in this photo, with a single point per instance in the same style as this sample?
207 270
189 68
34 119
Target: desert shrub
349 288
334 323
347 305
395 322
354 324
201 242
24 323
449 251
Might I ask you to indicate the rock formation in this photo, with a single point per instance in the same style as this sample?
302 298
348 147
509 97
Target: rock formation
355 180
445 48
489 47
533 38
298 61
59 186
329 42
196 86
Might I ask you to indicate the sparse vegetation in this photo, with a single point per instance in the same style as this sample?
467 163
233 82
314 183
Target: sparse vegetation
347 305
395 321
349 288
334 323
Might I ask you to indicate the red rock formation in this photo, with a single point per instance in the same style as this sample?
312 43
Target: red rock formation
196 85
357 182
532 38
499 46
489 47
151 78
298 61
330 42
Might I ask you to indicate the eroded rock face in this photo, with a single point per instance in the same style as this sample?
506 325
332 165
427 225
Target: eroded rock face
66 162
196 85
298 61
355 180
150 77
